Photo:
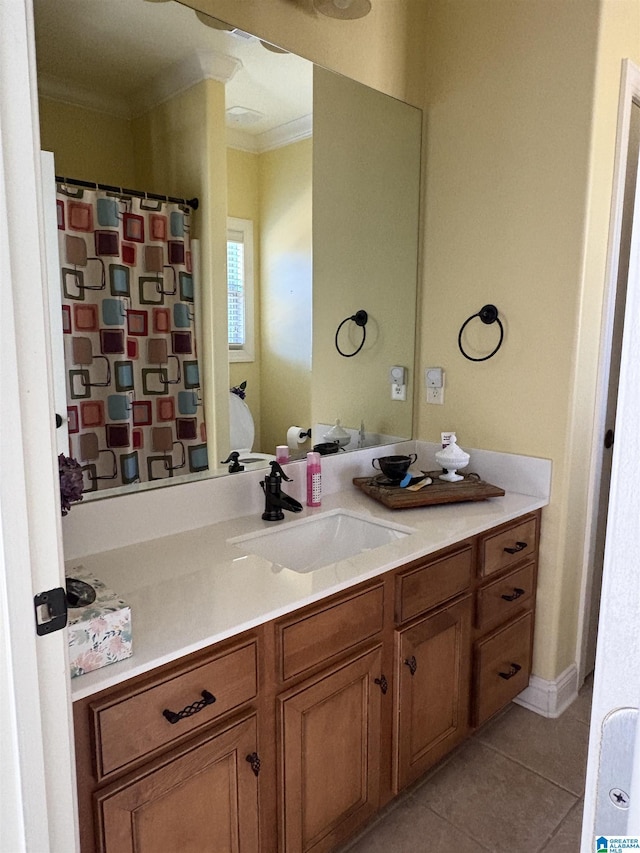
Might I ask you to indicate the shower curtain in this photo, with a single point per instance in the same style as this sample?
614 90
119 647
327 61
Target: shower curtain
133 380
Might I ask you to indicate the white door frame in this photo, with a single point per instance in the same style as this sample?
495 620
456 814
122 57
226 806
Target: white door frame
617 671
629 92
38 809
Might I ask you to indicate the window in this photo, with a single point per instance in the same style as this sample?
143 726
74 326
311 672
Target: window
240 289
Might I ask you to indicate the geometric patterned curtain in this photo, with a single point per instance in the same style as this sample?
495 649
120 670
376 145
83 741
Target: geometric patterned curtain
133 381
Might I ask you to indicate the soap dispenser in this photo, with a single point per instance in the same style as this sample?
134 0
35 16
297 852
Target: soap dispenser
314 479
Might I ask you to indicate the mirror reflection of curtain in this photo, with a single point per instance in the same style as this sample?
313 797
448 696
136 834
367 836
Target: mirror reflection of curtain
132 374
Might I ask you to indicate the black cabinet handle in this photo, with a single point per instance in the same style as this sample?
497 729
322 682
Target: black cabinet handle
514 669
254 761
412 663
520 546
384 684
190 710
517 592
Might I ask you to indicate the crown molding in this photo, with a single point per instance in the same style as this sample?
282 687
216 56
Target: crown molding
269 140
172 81
76 95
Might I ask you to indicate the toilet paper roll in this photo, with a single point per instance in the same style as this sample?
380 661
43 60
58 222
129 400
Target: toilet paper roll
295 437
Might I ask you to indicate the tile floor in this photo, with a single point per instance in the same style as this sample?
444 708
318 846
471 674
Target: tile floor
515 787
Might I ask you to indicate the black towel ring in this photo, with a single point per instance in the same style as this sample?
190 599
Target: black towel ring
488 314
360 319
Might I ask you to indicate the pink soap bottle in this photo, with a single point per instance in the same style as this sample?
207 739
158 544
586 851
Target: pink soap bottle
314 479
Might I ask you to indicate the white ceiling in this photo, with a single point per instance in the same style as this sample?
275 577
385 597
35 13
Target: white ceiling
123 56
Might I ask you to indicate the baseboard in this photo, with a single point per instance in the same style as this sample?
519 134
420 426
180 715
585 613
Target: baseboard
550 698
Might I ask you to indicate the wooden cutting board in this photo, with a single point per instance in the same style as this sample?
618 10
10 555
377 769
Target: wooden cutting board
472 488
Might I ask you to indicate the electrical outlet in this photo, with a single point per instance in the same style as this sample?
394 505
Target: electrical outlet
398 392
435 396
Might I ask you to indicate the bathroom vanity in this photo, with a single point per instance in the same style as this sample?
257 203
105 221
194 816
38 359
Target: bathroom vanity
311 699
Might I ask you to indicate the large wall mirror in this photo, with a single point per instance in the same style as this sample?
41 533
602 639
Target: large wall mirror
310 178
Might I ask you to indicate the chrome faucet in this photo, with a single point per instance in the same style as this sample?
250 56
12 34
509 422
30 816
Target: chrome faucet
275 499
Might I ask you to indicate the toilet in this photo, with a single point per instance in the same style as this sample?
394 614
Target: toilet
242 432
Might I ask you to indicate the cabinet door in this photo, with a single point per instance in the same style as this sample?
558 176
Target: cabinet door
432 683
330 754
205 799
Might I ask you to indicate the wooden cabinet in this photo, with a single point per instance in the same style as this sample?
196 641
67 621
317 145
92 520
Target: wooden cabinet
329 731
134 724
162 761
504 617
292 736
331 688
432 678
202 798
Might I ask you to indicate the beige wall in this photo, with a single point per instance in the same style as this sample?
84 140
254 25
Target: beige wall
285 261
366 179
507 162
244 203
88 145
384 50
512 183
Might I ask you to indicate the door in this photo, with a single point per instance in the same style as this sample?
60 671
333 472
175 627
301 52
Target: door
38 809
330 754
432 678
203 801
630 189
613 768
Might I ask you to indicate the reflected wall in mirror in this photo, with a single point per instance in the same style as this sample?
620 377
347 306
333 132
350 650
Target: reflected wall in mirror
193 110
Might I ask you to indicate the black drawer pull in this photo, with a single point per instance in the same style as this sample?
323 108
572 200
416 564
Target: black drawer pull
520 546
412 663
254 761
384 684
517 592
190 710
514 669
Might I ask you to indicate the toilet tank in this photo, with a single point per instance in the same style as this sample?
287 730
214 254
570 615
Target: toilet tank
241 426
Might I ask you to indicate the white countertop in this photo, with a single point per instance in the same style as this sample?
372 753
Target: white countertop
191 589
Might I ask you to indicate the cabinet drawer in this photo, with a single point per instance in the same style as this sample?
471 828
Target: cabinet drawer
428 584
502 666
132 725
508 547
501 599
319 636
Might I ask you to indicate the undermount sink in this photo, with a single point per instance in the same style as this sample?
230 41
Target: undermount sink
310 543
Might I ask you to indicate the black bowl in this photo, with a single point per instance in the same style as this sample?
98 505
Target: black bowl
394 467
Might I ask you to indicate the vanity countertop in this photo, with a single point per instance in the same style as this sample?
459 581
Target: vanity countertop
191 589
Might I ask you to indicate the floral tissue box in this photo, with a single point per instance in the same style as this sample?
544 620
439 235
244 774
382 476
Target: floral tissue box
99 633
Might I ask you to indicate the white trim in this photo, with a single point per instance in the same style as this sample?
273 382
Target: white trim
269 140
198 66
35 683
550 698
629 91
68 92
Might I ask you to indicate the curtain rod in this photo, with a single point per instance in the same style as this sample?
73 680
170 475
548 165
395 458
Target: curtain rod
191 202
